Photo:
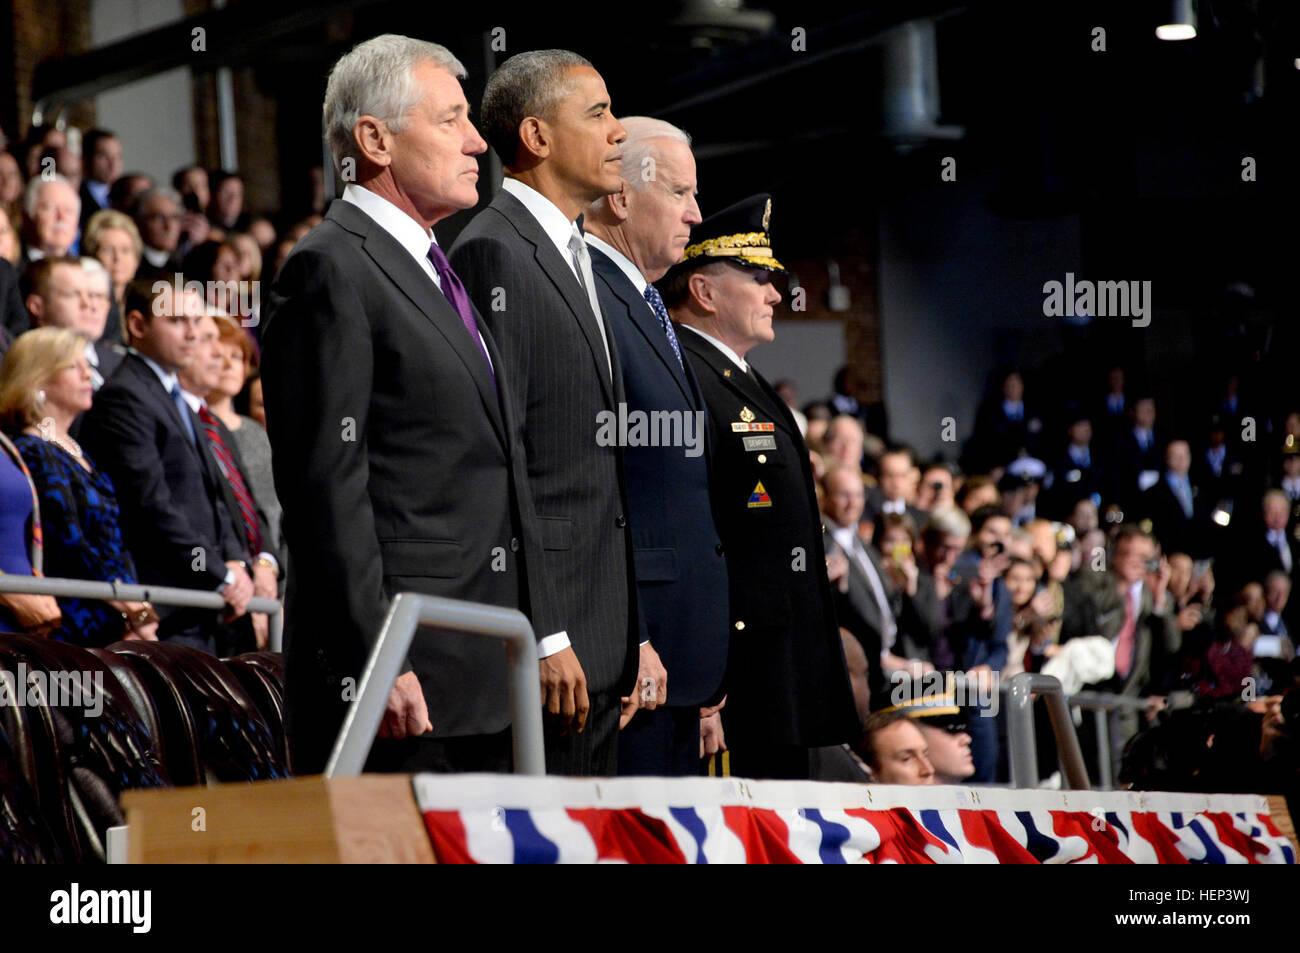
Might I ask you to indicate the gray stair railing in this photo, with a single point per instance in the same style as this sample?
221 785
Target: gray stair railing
134 592
410 611
1023 756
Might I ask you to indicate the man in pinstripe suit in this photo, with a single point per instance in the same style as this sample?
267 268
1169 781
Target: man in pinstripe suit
526 267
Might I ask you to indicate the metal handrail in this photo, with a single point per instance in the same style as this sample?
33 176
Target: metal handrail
143 592
409 612
1103 706
1023 755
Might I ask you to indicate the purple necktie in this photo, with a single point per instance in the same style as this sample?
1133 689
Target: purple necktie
454 291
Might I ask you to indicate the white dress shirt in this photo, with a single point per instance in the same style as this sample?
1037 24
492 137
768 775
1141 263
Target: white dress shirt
548 215
552 220
405 230
731 355
156 256
624 263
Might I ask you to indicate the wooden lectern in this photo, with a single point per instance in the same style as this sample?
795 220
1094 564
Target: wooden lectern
371 819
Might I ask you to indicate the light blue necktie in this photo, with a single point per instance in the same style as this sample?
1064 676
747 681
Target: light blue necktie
656 303
184 409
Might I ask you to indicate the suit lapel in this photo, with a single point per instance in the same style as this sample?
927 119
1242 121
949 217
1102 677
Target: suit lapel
559 273
642 318
154 387
414 282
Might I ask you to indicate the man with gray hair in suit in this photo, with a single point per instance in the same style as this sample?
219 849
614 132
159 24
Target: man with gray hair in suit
397 456
635 235
547 114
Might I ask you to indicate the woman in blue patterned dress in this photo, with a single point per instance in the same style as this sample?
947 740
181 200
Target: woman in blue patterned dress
45 383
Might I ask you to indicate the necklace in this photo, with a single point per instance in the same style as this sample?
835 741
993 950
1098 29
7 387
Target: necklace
74 449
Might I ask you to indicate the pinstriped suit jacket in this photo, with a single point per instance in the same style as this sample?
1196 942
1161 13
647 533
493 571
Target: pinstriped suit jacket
553 355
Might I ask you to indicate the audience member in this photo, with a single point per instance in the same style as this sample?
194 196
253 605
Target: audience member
44 385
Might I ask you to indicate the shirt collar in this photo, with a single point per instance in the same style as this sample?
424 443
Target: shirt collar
99 190
1135 592
548 215
735 358
624 263
155 256
169 380
92 356
194 401
408 233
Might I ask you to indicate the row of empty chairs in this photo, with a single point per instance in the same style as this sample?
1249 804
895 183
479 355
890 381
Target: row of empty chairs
167 715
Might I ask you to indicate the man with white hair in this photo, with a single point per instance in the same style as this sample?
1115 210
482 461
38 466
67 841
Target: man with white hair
635 236
50 210
396 454
103 356
158 217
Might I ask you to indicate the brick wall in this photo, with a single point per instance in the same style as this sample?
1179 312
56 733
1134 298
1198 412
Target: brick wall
43 30
861 322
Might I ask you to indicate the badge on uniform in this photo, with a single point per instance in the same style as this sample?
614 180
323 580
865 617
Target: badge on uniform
760 443
759 497
746 423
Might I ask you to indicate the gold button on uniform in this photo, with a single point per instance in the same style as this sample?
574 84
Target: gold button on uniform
740 626
762 458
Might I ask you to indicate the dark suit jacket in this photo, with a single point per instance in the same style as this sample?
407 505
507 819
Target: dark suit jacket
1157 638
110 358
172 495
681 571
399 469
13 312
552 352
88 206
916 617
786 679
875 506
1130 460
1177 532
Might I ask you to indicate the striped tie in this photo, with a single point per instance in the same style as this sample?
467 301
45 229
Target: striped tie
247 508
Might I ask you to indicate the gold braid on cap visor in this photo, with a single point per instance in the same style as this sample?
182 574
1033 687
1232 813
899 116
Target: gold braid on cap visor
754 247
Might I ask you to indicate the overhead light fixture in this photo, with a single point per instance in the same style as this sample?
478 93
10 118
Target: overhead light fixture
1179 21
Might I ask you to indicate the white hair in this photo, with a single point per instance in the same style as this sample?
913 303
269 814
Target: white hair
376 79
32 194
642 131
95 268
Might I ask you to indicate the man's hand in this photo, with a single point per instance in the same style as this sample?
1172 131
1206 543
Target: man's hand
983 676
651 689
264 587
144 632
712 739
1155 704
564 690
37 615
238 592
406 714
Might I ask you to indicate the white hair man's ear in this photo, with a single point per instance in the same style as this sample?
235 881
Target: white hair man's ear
618 202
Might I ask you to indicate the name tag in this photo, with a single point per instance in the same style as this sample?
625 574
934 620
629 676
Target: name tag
760 443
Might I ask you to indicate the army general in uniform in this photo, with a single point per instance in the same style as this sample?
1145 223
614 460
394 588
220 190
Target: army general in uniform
786 683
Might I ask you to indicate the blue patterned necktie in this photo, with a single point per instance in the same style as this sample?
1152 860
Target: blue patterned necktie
657 306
